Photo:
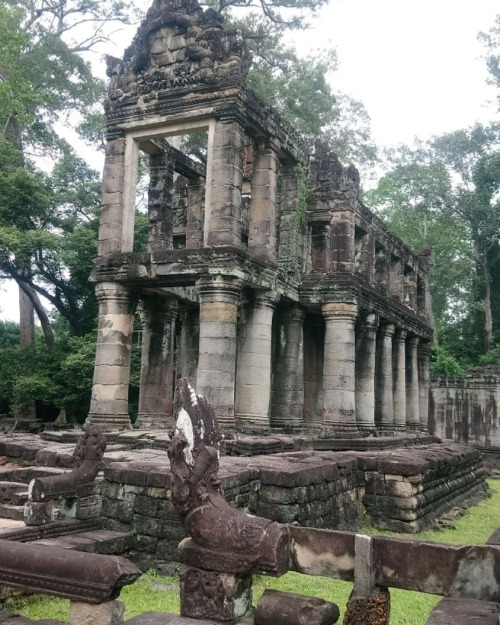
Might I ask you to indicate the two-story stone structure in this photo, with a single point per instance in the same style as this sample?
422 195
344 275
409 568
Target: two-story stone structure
267 281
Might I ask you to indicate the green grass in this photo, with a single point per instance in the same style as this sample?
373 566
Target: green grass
160 594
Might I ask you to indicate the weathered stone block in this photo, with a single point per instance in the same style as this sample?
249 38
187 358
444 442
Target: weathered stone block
109 613
218 596
39 513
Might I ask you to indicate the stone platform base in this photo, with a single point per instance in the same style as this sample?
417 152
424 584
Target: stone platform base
161 618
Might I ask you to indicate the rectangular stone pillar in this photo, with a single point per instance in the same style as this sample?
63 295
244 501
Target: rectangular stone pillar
290 228
157 363
222 223
410 288
109 403
195 214
396 279
339 369
219 299
412 391
189 345
384 415
288 373
116 220
424 355
160 202
399 379
366 334
262 225
342 241
253 373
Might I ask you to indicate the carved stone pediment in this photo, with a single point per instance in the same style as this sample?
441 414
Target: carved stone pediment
178 46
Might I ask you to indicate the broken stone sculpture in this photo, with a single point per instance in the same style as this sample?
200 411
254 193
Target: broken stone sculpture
221 538
88 455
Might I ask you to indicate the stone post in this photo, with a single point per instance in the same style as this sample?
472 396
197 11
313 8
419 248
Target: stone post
157 363
189 345
288 386
399 379
365 372
396 279
424 354
195 213
222 223
290 235
219 298
109 403
339 369
384 415
342 241
253 373
412 399
262 223
160 202
116 220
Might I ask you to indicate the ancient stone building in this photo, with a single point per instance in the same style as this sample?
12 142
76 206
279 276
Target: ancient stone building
266 280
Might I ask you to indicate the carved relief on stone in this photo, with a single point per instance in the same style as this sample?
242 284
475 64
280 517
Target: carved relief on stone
222 538
178 45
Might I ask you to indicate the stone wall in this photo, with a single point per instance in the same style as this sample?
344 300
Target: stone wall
401 491
465 409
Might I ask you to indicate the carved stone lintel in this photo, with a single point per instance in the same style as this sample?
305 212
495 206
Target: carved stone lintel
210 595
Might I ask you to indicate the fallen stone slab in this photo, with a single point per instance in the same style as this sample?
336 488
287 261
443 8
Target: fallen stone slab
464 612
161 618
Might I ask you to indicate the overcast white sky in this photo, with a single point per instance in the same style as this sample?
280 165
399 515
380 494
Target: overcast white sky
415 65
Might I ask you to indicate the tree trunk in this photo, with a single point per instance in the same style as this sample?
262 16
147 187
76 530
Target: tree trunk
32 297
488 319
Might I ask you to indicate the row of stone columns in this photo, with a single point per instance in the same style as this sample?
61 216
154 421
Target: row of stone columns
373 375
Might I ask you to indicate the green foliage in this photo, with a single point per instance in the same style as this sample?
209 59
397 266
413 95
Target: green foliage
443 363
492 356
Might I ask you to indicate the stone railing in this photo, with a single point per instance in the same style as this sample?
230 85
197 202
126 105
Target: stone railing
90 581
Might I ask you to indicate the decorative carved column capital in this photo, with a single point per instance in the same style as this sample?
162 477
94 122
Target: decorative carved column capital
266 299
369 323
424 350
218 287
339 310
107 291
413 342
387 329
400 335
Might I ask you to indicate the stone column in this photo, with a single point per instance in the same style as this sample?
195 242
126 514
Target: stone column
222 223
365 372
116 220
109 403
262 222
399 379
339 369
412 399
195 213
384 415
189 345
288 365
157 363
219 298
424 355
160 202
253 373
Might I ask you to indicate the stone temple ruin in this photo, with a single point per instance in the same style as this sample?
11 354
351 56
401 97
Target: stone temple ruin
301 322
267 281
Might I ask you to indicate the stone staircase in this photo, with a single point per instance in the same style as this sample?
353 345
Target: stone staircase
72 534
